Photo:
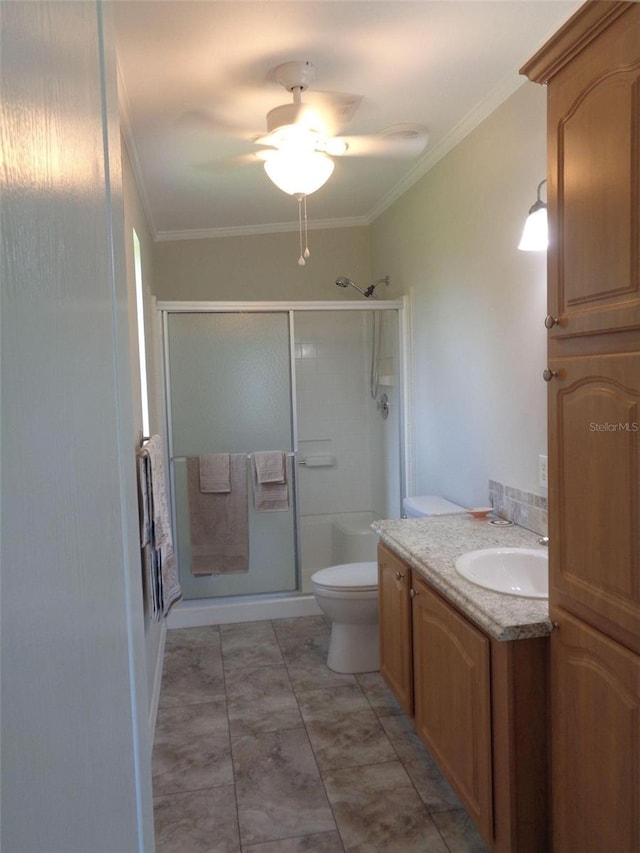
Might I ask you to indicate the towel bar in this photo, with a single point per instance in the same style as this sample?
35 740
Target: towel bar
288 454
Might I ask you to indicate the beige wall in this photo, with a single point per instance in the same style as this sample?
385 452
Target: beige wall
479 338
262 267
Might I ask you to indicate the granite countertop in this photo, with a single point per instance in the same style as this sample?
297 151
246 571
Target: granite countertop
431 546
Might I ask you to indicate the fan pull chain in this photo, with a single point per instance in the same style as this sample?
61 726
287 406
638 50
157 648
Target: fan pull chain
306 235
301 260
303 229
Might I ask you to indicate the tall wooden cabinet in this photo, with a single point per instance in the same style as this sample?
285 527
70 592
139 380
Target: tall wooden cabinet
592 71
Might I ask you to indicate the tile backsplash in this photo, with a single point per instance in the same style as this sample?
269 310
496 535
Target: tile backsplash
523 508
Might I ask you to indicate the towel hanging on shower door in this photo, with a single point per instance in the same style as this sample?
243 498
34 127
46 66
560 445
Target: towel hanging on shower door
219 521
270 489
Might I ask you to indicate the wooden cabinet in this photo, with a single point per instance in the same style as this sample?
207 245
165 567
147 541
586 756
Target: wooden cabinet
594 409
394 584
595 741
592 71
454 720
478 704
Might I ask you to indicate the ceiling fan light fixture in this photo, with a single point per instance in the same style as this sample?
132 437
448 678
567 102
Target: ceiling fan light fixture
298 172
336 146
292 136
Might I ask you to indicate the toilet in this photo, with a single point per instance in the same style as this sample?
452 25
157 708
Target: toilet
348 595
421 506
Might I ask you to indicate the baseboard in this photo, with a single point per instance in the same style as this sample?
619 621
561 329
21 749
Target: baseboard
196 613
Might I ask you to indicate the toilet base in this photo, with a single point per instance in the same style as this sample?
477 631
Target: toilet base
354 648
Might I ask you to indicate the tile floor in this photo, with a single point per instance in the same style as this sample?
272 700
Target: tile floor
260 748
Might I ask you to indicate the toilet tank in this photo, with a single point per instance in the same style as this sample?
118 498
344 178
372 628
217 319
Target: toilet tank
353 540
420 506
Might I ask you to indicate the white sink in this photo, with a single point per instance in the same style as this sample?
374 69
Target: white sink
511 571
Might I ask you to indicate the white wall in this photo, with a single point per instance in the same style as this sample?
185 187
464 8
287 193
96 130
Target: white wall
480 342
75 746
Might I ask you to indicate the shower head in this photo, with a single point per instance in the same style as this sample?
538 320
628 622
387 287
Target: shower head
343 281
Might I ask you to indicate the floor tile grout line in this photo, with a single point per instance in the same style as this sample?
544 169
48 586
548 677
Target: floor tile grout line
233 764
313 752
159 794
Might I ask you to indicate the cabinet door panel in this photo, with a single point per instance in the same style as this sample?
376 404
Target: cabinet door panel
394 581
594 126
595 492
454 720
595 716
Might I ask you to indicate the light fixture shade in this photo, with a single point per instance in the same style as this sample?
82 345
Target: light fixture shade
535 235
298 172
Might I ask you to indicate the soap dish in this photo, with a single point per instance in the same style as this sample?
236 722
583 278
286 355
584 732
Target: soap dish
480 512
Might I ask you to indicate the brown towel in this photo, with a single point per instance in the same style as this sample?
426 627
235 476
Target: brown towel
270 466
270 490
219 522
214 472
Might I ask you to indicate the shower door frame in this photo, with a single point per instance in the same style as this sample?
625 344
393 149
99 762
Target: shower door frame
209 611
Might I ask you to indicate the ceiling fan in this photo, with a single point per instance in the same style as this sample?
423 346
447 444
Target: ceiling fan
300 142
300 139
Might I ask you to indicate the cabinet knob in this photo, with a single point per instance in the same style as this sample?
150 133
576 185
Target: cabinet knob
548 375
399 576
551 321
413 593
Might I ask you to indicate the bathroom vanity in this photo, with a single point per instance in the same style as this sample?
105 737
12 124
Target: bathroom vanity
469 668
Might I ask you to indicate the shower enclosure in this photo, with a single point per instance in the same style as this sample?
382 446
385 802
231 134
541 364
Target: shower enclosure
298 378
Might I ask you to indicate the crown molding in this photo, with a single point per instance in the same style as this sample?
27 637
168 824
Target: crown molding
126 132
497 96
252 230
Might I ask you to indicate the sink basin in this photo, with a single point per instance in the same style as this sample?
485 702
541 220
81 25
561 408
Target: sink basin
511 571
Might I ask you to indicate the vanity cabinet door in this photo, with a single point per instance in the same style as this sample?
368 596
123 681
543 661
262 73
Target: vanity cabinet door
394 583
595 741
453 700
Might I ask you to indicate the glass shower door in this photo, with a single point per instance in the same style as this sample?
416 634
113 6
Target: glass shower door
229 391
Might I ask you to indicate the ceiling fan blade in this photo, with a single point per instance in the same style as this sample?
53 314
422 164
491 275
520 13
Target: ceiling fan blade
396 144
335 108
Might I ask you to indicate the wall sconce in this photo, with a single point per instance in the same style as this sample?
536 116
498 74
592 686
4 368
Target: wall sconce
535 235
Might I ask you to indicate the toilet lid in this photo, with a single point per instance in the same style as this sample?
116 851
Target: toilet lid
348 576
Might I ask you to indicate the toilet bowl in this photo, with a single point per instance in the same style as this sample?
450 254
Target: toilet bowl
348 595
